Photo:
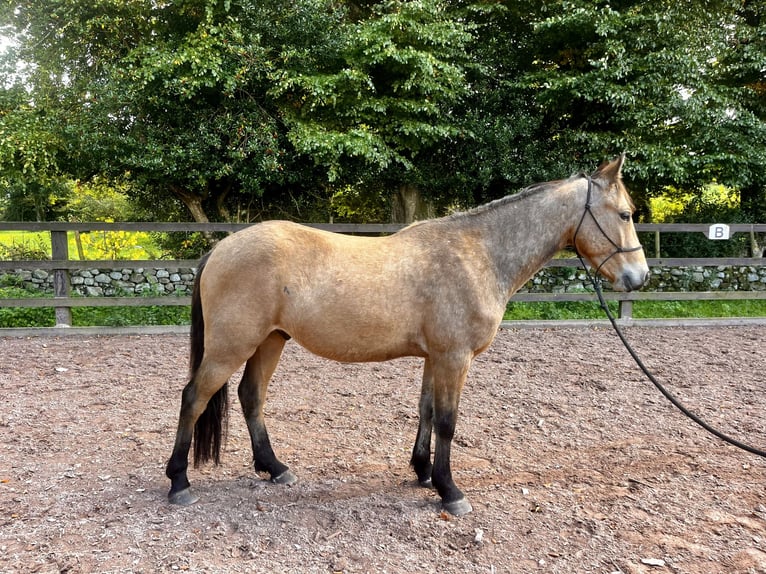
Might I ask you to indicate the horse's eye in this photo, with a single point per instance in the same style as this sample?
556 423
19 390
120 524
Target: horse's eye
626 216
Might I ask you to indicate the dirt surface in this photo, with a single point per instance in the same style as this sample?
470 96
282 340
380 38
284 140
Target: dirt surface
572 461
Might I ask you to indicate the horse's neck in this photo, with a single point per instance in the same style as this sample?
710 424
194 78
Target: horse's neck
522 236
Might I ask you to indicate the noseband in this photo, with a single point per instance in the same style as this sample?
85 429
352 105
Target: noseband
617 248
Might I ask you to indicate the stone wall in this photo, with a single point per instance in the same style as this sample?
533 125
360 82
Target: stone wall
720 278
99 282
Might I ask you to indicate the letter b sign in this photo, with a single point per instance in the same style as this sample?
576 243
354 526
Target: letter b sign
718 231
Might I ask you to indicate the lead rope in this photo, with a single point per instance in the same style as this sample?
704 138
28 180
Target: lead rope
732 441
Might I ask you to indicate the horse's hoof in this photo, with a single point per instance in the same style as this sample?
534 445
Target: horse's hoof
458 507
287 477
183 497
427 483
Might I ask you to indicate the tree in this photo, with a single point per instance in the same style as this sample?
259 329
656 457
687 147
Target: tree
213 106
573 82
30 157
383 100
184 109
743 74
173 94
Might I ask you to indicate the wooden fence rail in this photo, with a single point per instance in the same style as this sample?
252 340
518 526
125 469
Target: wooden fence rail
61 264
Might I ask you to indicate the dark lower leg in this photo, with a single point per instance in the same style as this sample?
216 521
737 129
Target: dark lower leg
179 459
447 387
421 452
252 395
442 473
264 459
453 499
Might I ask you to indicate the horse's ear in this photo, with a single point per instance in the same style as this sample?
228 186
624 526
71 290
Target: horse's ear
610 170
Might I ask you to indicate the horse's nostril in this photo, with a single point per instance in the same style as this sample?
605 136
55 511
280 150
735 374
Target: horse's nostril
633 281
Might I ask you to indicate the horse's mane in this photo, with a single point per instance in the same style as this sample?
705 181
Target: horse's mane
534 189
470 214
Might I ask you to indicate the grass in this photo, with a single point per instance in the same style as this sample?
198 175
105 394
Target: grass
96 245
699 309
121 316
641 310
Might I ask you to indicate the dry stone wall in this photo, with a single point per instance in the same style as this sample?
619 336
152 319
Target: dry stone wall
695 278
100 282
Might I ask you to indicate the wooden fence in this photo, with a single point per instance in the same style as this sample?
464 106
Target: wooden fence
61 265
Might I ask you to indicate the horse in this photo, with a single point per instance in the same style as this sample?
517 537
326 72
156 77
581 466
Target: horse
436 289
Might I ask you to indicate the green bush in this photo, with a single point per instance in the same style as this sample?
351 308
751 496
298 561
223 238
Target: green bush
548 311
183 245
128 316
714 204
24 250
24 316
122 316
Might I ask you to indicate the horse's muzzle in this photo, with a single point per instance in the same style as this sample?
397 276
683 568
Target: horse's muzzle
632 280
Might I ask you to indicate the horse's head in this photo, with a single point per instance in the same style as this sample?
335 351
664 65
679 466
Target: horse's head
605 234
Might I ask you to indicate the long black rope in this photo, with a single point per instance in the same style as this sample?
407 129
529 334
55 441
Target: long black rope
653 379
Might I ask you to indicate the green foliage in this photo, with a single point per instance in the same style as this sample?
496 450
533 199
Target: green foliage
24 249
698 309
713 204
179 245
88 316
99 245
243 110
354 205
641 310
99 199
385 96
127 316
30 157
95 245
576 81
544 311
25 316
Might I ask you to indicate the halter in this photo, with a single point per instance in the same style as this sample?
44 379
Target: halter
617 248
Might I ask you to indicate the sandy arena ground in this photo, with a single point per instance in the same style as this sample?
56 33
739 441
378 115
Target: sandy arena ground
572 461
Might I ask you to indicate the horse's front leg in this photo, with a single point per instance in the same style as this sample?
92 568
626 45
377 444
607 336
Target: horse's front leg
421 452
252 396
449 375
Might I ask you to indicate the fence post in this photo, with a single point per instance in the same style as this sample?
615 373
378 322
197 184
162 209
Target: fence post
61 286
626 310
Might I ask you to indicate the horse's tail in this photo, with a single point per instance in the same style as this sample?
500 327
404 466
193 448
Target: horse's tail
210 428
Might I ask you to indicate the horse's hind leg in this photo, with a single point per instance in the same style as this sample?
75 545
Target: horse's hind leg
205 393
252 396
421 452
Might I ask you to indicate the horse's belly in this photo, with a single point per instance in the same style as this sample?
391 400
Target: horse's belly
358 341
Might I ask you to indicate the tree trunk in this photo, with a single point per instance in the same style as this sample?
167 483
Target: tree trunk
194 204
220 203
752 200
408 205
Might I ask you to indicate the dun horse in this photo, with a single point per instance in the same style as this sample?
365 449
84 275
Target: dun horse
436 289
